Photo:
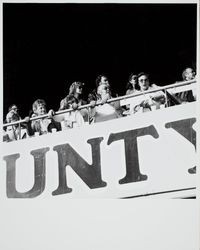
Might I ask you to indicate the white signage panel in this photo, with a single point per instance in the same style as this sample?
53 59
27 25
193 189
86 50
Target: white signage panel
141 155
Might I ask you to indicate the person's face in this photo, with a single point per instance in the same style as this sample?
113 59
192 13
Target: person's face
143 82
189 74
133 80
14 109
79 89
103 89
41 109
104 80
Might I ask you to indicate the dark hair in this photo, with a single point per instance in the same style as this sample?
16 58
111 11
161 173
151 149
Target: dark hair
129 85
98 79
92 96
71 99
10 107
143 74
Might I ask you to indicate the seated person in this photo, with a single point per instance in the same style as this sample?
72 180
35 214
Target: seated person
75 89
147 102
187 96
73 118
101 79
105 111
43 125
94 96
18 131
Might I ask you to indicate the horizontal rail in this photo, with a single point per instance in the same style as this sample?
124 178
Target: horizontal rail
174 85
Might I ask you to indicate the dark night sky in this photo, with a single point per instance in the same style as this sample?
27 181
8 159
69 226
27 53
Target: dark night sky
48 46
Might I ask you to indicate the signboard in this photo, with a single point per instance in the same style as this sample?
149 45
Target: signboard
141 155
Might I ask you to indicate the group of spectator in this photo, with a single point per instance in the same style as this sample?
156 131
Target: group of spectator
99 110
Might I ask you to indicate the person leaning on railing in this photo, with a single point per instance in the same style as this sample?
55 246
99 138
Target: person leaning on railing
95 97
178 95
76 90
74 118
100 80
187 96
15 132
148 102
105 111
43 125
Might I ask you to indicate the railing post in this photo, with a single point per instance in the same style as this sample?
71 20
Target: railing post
19 131
166 102
88 110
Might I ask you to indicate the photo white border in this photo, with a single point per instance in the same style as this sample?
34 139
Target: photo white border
162 223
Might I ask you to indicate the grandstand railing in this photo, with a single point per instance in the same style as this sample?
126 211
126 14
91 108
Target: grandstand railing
164 88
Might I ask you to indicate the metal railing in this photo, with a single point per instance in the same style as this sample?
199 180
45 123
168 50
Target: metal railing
164 88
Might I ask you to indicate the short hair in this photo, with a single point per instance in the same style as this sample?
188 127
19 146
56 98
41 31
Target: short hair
129 85
38 102
74 86
10 107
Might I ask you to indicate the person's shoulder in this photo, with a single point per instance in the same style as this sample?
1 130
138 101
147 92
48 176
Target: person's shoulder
8 116
92 95
63 103
64 99
33 115
129 91
137 91
83 102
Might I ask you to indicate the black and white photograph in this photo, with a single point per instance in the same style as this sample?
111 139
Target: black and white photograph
99 125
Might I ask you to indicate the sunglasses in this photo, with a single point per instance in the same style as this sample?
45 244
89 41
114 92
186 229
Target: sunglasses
143 80
15 109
